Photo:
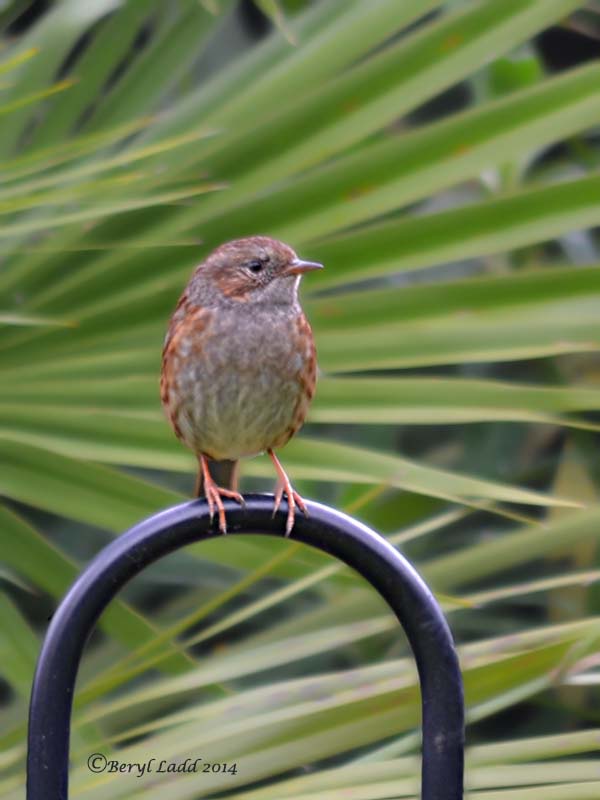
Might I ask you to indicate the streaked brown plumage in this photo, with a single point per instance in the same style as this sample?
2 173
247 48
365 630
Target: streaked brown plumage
239 363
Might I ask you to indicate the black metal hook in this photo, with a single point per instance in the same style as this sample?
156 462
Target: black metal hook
325 529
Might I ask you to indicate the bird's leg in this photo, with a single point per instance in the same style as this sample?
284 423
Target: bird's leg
293 498
213 494
199 485
234 478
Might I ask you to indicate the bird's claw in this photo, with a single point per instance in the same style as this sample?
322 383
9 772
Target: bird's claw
294 500
213 497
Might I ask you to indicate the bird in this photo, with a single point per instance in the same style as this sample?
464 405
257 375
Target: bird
239 366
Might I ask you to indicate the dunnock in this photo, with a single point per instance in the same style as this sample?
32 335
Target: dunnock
239 363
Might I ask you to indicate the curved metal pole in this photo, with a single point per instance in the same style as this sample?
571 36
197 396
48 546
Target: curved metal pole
328 530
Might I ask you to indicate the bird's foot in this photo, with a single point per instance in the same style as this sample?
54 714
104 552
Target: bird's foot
214 494
293 498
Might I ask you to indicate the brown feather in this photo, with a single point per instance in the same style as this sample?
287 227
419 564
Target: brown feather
187 321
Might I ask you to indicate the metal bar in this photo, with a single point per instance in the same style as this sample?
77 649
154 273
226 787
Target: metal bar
325 529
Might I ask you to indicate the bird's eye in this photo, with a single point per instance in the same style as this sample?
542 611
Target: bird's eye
255 266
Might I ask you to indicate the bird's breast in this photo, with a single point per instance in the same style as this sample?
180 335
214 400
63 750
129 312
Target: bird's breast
245 388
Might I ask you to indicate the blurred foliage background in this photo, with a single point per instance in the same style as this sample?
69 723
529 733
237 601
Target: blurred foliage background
441 158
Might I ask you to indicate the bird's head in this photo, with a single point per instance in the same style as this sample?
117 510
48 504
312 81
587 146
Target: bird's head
257 269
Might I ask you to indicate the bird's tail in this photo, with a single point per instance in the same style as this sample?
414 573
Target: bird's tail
224 474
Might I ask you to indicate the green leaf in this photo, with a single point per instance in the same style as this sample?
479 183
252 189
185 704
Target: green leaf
400 168
111 499
328 460
31 320
84 491
273 10
502 335
52 38
128 440
330 36
116 207
403 401
330 719
482 294
111 42
525 217
511 19
161 64
521 546
66 176
379 90
25 550
446 401
18 647
348 145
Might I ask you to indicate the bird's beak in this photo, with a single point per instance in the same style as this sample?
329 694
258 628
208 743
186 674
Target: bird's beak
299 267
